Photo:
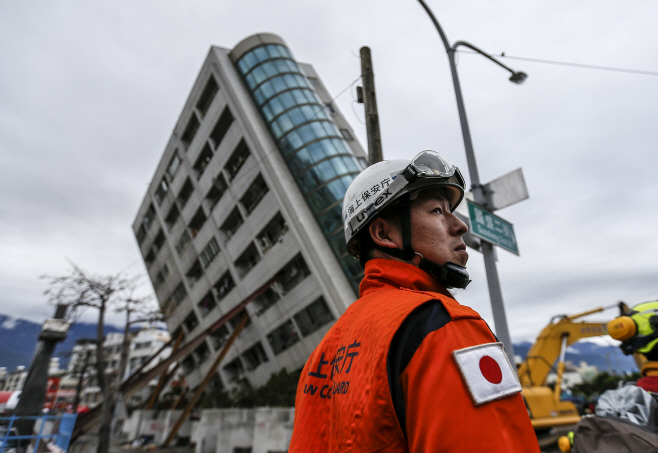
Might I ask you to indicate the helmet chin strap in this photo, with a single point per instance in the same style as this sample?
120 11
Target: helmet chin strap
449 275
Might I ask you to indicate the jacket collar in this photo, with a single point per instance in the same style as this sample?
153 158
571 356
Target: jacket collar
383 273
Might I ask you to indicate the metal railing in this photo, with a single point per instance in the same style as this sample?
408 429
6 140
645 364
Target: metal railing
51 429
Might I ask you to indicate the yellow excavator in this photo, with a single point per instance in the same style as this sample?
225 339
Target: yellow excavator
543 403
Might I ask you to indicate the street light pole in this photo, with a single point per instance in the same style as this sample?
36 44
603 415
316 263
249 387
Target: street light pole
495 293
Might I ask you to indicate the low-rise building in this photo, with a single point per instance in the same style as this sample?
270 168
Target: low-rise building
144 343
15 380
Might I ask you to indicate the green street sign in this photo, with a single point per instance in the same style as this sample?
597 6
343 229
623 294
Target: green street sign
492 228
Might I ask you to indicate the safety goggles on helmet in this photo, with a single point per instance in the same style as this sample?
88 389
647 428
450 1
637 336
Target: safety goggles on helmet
429 164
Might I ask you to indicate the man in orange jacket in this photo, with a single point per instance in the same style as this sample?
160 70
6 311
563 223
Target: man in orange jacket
407 368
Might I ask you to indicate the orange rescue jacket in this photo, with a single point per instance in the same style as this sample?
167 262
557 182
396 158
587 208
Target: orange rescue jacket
344 401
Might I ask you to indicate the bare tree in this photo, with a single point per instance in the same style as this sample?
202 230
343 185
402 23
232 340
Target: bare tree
80 290
80 371
137 310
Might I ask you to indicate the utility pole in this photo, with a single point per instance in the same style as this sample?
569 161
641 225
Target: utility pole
34 391
369 100
495 293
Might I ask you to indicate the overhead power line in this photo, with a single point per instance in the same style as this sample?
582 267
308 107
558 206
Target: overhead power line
575 65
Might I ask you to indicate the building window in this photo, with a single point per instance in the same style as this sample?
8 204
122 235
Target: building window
254 194
150 257
197 221
313 317
158 241
272 232
191 322
207 304
202 161
234 322
254 356
248 450
234 369
141 234
231 224
347 135
207 96
161 192
183 242
293 273
194 274
266 300
218 188
221 127
158 281
178 294
188 364
185 193
161 277
209 252
248 260
219 337
202 352
224 285
234 163
190 130
174 165
149 217
172 216
283 337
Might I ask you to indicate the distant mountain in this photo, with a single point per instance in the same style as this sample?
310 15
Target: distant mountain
605 357
18 340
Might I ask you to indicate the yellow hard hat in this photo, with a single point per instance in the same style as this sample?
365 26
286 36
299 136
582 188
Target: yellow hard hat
622 328
564 444
637 329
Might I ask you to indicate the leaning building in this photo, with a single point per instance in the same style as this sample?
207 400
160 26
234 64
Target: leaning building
250 185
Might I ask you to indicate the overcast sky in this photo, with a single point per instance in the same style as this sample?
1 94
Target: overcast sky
90 92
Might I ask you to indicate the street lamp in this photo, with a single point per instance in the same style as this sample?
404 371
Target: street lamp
495 293
516 77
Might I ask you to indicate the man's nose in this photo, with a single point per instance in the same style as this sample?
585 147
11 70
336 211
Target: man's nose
458 227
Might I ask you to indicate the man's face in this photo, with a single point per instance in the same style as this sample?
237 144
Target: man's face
436 233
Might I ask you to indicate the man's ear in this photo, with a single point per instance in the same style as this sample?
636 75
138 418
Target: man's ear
385 234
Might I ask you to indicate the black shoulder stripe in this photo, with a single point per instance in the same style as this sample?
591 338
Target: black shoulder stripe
427 318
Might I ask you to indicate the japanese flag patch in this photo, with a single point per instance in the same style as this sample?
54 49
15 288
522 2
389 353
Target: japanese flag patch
487 372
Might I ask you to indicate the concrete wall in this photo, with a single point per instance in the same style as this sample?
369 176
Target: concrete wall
156 424
273 429
264 429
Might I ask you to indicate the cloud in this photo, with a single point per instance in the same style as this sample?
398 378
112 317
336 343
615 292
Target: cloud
91 91
9 323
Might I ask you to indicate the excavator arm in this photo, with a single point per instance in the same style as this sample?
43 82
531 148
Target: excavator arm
546 349
544 405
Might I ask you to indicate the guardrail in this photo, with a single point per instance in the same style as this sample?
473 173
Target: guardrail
51 429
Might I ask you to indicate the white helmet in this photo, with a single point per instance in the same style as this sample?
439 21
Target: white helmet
377 187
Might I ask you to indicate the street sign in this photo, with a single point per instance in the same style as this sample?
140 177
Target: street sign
492 228
506 190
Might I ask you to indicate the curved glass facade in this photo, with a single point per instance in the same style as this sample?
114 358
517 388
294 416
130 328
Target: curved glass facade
317 155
